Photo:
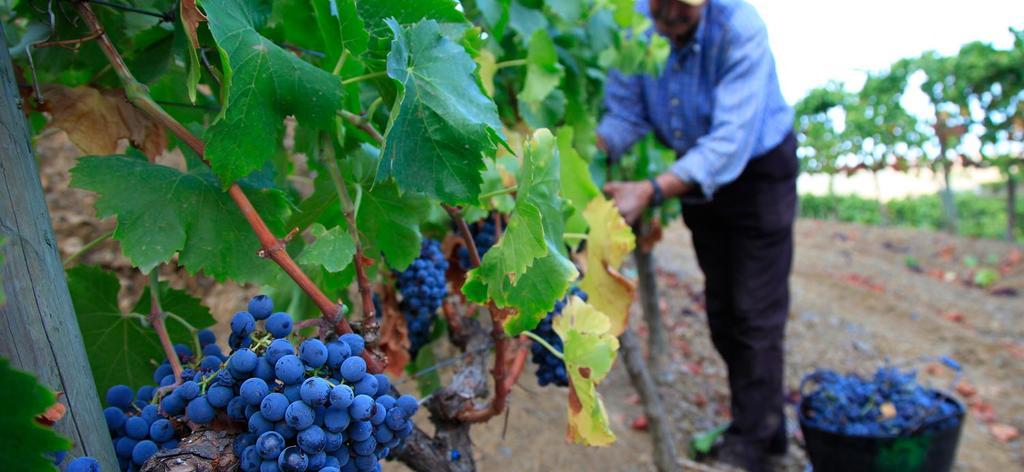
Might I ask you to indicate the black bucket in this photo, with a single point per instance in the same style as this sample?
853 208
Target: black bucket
925 451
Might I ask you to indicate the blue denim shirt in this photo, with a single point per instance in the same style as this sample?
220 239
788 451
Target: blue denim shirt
717 104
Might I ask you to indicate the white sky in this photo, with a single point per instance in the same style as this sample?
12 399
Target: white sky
815 41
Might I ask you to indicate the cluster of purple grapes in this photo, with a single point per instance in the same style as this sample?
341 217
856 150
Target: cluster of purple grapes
423 289
317 409
484 235
891 403
551 369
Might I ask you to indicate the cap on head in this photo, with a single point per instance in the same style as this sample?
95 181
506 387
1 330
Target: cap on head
694 3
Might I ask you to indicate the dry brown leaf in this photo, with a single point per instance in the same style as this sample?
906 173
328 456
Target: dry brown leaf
95 120
54 413
394 335
1004 433
190 19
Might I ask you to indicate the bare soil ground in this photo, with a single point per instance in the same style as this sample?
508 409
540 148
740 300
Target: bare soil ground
855 304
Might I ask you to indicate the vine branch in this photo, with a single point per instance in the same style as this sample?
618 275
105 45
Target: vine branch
156 318
271 245
371 329
363 124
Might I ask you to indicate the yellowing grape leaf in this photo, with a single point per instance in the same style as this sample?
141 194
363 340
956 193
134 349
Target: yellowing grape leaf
262 84
589 353
608 243
95 120
488 65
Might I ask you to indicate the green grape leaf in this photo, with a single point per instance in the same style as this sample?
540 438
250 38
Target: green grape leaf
527 268
496 14
578 187
375 13
26 441
333 249
524 20
543 72
547 113
390 223
262 85
589 353
568 10
441 124
122 348
341 28
609 242
162 211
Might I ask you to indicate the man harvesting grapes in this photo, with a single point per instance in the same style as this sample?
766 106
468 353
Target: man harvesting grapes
719 106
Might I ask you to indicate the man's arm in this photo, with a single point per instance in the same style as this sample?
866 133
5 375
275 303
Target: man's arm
625 120
740 101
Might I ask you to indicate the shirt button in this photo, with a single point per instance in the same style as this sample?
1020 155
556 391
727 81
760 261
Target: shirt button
674 102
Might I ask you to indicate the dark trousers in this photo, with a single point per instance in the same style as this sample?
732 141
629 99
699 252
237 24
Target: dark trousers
744 244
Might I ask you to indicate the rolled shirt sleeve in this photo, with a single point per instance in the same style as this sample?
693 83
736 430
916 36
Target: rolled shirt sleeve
740 100
626 119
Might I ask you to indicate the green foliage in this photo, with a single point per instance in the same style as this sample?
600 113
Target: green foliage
26 442
122 347
980 216
262 84
442 123
180 213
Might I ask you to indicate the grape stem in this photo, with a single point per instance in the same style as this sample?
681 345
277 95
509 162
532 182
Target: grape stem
88 247
510 63
138 95
371 329
539 340
363 124
372 75
156 319
499 192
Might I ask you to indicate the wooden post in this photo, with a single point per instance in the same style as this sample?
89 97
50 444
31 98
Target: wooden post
647 283
38 329
660 424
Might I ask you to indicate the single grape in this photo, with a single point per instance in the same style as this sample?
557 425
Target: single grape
341 396
83 464
261 306
279 348
355 343
219 396
361 408
292 459
289 369
115 417
299 415
269 445
258 424
253 391
279 324
143 451
161 431
243 323
353 369
336 420
313 352
120 396
408 404
337 352
200 411
312 439
315 391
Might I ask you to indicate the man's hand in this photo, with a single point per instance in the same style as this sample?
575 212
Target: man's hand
632 198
